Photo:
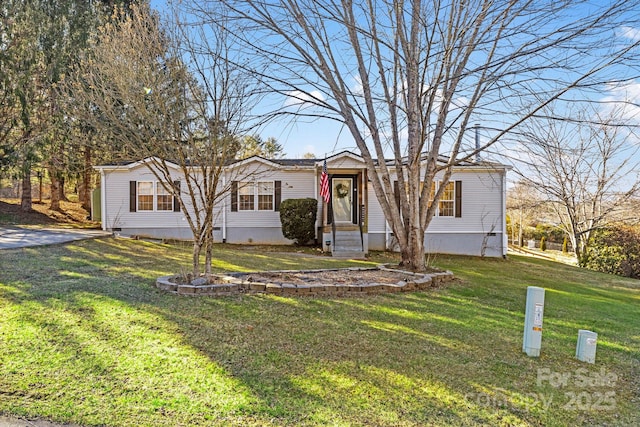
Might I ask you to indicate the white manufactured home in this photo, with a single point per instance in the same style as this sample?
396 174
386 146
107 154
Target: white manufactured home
470 217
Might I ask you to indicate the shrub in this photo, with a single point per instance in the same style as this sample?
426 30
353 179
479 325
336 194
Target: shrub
298 219
543 244
565 245
614 250
551 232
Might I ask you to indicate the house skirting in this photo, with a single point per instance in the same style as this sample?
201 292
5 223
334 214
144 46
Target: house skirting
446 243
449 243
177 233
257 235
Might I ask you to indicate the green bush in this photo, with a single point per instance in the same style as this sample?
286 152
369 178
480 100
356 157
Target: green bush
615 250
551 232
543 244
298 219
565 245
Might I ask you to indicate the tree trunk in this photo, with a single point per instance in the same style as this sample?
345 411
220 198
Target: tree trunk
579 255
208 258
61 185
84 189
197 248
413 254
25 201
55 190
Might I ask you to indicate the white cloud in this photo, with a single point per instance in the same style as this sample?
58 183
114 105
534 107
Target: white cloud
630 33
357 87
299 98
624 98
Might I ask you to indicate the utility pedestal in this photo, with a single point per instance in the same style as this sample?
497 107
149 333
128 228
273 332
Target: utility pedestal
586 347
534 312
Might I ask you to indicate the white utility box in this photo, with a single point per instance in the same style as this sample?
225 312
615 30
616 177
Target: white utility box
586 347
532 341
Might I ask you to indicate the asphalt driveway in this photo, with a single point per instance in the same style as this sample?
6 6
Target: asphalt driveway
19 237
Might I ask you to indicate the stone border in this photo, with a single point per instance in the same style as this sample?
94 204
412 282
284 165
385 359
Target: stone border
233 284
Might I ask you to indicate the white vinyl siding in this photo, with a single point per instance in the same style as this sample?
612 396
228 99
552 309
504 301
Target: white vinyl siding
295 184
116 201
256 196
481 206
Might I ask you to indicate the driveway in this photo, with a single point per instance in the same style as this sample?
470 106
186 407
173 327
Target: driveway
21 422
19 237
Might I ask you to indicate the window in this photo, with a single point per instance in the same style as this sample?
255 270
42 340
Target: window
152 196
246 194
447 200
450 203
164 201
255 196
145 196
265 196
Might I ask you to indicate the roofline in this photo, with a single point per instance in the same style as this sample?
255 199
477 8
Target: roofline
313 163
251 159
134 164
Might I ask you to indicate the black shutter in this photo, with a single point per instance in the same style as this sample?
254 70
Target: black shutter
176 201
234 196
458 197
133 186
277 187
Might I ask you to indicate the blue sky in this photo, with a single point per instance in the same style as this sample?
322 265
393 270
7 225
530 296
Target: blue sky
325 137
320 137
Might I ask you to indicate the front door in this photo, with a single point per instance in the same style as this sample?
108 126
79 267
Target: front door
342 199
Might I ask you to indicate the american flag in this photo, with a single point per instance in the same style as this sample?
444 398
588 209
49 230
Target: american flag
324 183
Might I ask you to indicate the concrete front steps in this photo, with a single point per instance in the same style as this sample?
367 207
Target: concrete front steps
347 245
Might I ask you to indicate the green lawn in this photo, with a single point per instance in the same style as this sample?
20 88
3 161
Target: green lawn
86 338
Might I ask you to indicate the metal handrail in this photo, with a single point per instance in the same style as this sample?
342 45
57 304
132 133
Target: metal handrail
361 224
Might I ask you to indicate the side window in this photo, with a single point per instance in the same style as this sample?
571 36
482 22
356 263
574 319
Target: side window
145 196
265 196
164 200
446 203
245 196
256 196
450 204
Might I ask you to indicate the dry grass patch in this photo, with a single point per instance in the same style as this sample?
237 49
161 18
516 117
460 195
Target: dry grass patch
71 215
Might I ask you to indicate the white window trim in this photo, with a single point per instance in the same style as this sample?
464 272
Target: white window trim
155 186
158 185
139 194
256 193
452 201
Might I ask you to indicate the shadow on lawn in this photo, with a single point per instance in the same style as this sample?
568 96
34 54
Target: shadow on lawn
378 360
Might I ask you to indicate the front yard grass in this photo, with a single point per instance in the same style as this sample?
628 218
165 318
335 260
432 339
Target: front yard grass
86 338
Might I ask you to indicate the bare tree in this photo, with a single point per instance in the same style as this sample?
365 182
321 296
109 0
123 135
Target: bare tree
408 78
137 89
588 169
523 202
